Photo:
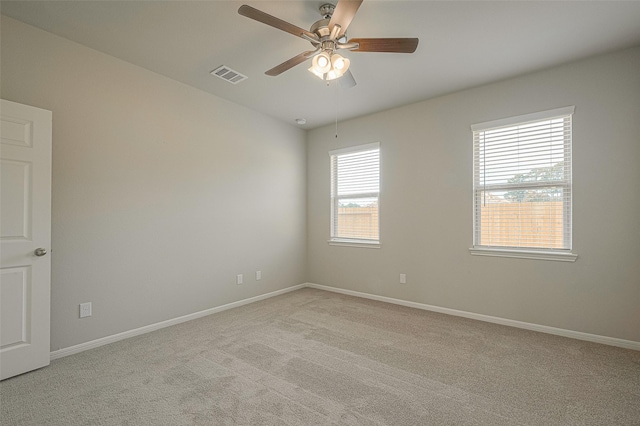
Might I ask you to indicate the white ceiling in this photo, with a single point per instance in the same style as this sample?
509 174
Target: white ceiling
462 44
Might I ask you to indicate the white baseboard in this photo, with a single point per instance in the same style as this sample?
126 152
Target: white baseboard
168 323
612 341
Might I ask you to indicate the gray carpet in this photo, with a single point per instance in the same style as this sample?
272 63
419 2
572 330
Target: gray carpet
312 357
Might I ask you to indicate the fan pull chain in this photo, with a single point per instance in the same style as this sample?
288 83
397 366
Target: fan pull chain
337 105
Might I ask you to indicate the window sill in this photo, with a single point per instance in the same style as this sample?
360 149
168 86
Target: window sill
563 256
355 243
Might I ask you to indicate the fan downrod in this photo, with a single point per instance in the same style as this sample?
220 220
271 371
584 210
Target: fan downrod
321 27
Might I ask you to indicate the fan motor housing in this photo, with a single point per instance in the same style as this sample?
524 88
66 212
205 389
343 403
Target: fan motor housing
321 28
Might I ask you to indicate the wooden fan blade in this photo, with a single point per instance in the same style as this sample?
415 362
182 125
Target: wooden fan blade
343 14
279 69
391 45
272 21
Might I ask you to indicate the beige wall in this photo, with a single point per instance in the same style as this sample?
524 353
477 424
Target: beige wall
426 203
161 193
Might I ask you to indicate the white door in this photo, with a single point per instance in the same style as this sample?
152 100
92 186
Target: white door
25 238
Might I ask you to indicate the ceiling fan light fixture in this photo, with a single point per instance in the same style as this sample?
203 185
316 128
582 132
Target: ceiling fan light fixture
321 62
339 63
332 75
318 74
329 66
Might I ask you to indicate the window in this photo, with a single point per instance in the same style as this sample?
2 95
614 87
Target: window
355 191
522 186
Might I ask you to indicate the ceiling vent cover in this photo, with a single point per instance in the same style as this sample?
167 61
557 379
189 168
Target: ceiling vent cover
229 75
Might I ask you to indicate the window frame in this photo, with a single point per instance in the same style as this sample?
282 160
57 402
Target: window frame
344 241
549 253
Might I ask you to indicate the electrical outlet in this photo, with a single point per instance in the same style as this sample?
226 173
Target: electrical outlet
239 279
85 310
258 275
403 278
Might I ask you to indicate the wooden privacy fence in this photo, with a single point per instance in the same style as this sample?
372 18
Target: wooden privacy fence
358 222
512 224
525 224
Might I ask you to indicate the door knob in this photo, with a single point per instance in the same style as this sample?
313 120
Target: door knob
40 251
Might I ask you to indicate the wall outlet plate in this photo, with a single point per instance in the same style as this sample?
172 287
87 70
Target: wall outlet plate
239 279
403 278
85 310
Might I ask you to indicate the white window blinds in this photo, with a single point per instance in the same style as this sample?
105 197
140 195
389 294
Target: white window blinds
355 190
522 182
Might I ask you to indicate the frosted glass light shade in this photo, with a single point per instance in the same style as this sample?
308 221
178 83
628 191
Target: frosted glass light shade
339 63
321 62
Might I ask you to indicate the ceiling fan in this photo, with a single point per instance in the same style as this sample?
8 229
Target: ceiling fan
328 35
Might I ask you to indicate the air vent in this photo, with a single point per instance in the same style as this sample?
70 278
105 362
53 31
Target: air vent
229 75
